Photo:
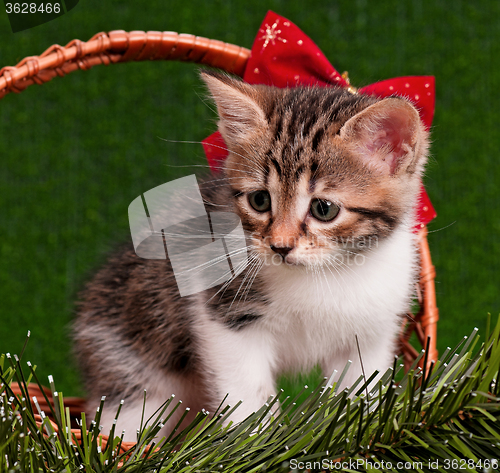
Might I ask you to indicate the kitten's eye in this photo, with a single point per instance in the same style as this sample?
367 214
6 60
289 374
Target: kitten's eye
324 210
260 201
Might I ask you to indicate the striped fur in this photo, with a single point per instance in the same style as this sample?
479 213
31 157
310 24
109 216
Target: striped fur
310 285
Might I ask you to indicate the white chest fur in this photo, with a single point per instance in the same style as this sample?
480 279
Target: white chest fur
313 318
315 315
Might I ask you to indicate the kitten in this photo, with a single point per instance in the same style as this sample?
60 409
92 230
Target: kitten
325 183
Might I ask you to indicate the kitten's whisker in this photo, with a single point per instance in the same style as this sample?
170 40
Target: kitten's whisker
186 165
251 266
207 101
203 266
252 169
253 274
410 317
326 280
188 142
216 146
213 204
221 169
222 288
341 276
335 277
344 275
258 267
211 144
224 180
227 283
182 236
339 262
217 260
442 228
223 277
318 271
365 253
337 266
244 284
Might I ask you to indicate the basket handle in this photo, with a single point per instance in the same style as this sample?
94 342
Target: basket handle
424 323
120 46
430 312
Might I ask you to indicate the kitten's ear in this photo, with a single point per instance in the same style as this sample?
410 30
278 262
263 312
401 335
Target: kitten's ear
240 115
389 136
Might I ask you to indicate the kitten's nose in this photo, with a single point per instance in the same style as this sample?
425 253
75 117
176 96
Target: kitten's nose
281 250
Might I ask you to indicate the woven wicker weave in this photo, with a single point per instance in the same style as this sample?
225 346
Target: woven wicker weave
120 46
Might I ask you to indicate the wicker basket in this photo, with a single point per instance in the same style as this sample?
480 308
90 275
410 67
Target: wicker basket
120 46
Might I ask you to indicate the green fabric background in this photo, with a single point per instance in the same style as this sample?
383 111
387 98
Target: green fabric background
75 152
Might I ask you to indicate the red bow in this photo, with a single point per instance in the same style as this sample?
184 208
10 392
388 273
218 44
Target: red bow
283 56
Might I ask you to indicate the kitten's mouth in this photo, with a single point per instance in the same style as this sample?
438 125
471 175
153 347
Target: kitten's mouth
292 260
291 257
289 260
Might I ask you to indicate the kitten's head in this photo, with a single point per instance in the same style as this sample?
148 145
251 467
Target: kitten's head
318 171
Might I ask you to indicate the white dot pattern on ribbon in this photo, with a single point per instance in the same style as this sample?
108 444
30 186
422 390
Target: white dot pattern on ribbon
271 34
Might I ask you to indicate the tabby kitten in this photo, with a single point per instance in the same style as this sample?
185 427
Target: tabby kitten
325 183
